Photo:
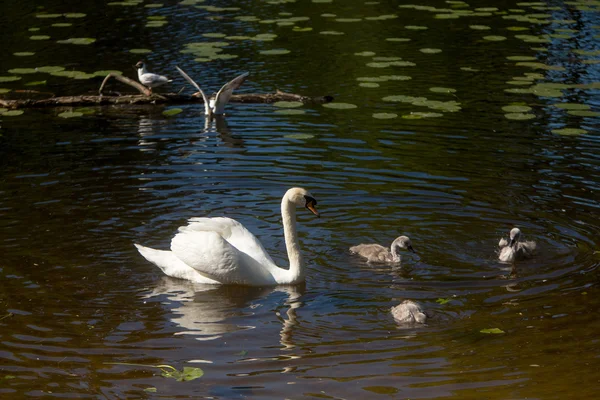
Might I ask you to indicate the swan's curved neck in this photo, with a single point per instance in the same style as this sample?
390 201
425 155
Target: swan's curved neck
288 214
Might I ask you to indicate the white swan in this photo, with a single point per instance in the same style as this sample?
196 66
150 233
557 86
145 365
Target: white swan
409 312
149 79
515 249
223 251
216 105
376 253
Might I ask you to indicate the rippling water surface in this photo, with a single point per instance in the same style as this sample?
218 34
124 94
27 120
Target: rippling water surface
80 309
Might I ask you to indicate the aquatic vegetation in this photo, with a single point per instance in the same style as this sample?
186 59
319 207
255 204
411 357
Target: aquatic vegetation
569 131
288 104
340 106
79 41
274 52
172 112
385 115
70 114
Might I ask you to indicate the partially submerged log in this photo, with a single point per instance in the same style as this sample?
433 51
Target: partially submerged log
152 98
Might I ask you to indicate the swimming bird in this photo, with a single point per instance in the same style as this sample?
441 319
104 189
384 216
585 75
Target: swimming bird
375 253
409 312
217 104
515 249
149 79
222 251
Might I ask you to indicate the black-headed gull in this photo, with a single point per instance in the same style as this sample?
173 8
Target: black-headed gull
149 79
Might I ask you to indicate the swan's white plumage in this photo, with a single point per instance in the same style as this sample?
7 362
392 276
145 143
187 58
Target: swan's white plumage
513 249
409 312
222 251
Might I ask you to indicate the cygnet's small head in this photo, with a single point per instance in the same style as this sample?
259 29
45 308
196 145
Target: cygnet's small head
302 198
515 235
139 65
402 243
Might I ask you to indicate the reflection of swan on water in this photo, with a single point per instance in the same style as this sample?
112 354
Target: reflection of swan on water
216 105
375 253
409 312
203 311
223 251
515 249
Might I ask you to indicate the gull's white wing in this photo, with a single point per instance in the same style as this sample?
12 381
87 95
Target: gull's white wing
207 109
226 91
234 233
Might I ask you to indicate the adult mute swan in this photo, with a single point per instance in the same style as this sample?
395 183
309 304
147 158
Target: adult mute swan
223 251
149 79
216 105
375 253
409 312
515 249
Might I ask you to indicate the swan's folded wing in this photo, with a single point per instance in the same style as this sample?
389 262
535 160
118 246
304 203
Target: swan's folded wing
235 233
226 91
211 255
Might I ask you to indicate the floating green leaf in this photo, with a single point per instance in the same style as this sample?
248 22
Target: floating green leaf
333 33
494 38
9 78
398 39
150 390
12 113
569 131
297 136
492 330
39 37
572 106
430 51
519 116
288 111
274 52
70 114
80 41
443 301
50 69
23 53
85 110
479 27
46 15
365 54
62 25
288 104
4 90
348 19
21 71
415 27
442 90
584 113
515 108
106 72
172 111
74 15
385 115
140 51
35 83
369 84
340 106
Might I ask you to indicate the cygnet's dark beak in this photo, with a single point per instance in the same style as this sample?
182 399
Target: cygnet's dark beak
409 247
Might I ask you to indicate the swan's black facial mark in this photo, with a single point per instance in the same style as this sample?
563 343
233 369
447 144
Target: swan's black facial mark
310 205
409 247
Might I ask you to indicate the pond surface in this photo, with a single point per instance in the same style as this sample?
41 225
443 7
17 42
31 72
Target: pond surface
457 122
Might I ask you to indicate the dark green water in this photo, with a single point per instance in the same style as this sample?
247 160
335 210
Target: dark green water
452 169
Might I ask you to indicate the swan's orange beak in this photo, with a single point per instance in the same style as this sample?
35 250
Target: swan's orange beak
311 206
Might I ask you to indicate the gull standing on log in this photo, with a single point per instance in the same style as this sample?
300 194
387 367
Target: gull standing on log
216 105
149 79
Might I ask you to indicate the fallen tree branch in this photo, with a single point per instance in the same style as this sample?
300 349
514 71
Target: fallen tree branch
143 89
165 98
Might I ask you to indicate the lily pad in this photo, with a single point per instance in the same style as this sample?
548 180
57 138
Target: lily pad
385 115
572 106
430 51
288 104
492 330
333 33
340 106
365 54
416 27
35 83
494 38
12 113
584 113
401 40
290 111
274 52
106 72
70 114
74 15
21 71
140 51
442 90
4 90
369 84
348 19
298 136
569 131
62 25
9 78
443 301
516 108
172 111
23 53
50 68
39 37
521 58
479 27
48 15
85 110
519 116
80 41
188 374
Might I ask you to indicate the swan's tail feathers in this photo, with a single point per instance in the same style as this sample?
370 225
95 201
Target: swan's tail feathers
172 266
